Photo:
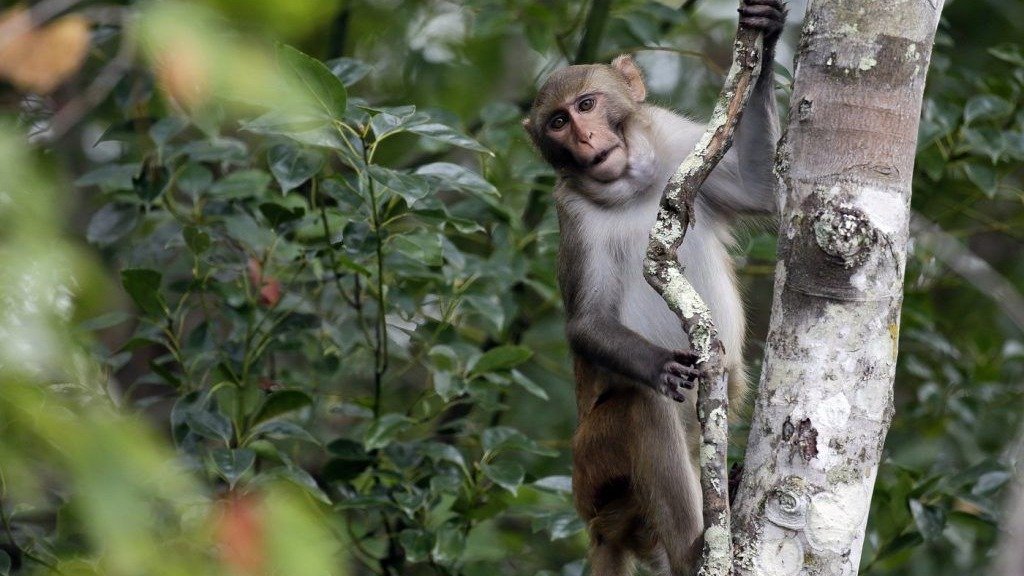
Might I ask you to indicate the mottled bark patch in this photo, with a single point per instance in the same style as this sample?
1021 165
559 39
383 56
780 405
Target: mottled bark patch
802 437
843 232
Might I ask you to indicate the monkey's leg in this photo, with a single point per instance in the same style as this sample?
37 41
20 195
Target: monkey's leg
670 486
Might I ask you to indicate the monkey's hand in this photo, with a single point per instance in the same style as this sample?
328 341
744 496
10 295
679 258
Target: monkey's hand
768 16
678 373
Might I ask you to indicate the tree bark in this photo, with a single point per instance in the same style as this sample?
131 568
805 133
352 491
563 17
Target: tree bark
825 398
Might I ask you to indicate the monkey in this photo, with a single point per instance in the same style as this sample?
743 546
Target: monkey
635 480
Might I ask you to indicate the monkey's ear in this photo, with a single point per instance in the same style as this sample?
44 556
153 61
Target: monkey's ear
634 78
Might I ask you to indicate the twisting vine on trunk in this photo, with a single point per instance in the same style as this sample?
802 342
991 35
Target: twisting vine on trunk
664 272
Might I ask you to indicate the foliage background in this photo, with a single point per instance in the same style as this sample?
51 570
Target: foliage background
261 314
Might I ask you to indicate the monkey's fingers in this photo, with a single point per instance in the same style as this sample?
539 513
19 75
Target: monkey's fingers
673 386
780 4
682 370
763 11
685 357
767 16
770 27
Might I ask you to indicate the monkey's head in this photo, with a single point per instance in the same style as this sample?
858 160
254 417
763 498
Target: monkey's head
579 117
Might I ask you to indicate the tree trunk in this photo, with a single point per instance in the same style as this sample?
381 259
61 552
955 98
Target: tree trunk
825 398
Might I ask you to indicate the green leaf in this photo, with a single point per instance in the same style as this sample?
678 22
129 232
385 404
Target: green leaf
440 452
529 385
304 129
983 176
104 321
111 223
447 385
449 545
557 484
277 214
348 449
1013 144
232 464
390 120
930 520
986 107
325 89
500 359
1008 52
983 141
416 544
241 184
989 482
151 182
454 177
249 232
283 430
194 179
280 403
5 564
900 543
505 438
164 129
444 357
422 247
230 150
384 430
508 475
410 187
213 425
558 524
349 461
111 177
304 480
197 240
292 166
489 308
448 135
144 287
348 70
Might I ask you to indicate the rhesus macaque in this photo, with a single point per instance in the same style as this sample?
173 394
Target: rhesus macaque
635 480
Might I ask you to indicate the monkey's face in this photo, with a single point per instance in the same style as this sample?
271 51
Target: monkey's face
584 128
579 119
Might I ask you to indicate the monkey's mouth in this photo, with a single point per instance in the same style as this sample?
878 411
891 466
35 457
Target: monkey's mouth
602 156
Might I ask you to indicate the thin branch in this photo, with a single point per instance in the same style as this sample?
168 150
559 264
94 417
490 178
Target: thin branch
960 259
107 78
664 273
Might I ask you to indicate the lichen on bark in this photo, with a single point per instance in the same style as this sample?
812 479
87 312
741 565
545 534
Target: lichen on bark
664 272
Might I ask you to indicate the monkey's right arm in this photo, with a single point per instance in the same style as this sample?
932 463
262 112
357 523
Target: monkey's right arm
596 334
744 181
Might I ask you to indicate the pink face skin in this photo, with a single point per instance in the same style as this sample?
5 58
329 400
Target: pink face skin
582 128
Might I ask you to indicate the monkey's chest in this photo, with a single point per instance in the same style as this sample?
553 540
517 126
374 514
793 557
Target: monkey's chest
641 308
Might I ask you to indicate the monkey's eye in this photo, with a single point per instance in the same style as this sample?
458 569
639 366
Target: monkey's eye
558 122
586 105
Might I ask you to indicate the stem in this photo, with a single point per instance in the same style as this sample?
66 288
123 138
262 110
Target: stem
593 30
381 327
